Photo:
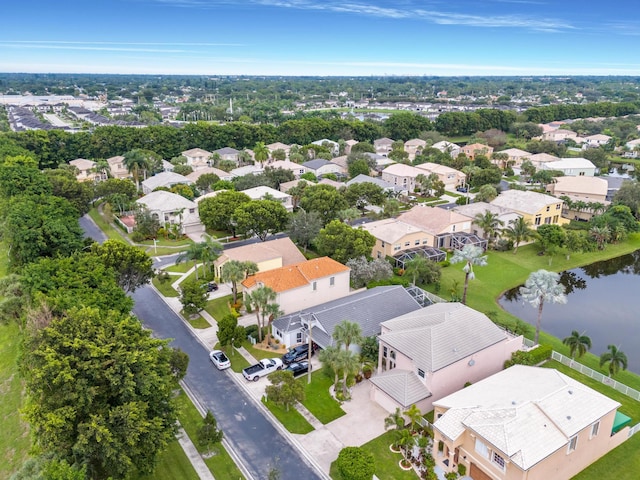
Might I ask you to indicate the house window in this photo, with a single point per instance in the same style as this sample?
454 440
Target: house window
558 206
573 442
192 210
548 208
392 354
379 254
417 242
332 281
498 460
299 337
594 429
538 218
406 244
421 373
547 220
382 244
397 247
384 352
481 448
555 219
314 286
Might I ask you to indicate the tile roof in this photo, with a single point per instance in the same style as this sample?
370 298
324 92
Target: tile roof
430 219
568 163
296 275
282 248
226 151
527 413
441 334
316 163
389 230
165 201
257 193
195 175
524 201
165 179
83 164
362 178
580 185
402 170
196 152
515 152
401 385
368 308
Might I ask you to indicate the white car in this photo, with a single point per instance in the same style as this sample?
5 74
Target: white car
219 359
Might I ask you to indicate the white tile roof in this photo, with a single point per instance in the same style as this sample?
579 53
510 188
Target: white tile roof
258 193
525 412
524 201
165 179
565 163
401 385
165 201
390 230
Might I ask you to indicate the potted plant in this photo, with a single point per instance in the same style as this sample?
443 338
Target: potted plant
367 370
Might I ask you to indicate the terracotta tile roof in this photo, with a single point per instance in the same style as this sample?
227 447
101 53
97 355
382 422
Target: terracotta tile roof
296 275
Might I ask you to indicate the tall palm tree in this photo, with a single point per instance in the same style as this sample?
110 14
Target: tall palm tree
542 287
136 162
329 357
347 333
233 271
405 441
260 152
616 359
414 415
250 268
489 223
348 362
210 251
577 343
261 300
194 252
271 312
416 267
471 256
518 231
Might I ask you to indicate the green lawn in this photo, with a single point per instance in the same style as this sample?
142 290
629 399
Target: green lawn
14 440
292 420
221 464
219 307
198 322
165 288
506 270
385 460
179 267
317 398
161 242
238 362
172 464
106 227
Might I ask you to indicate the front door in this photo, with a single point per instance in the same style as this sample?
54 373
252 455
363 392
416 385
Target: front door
478 474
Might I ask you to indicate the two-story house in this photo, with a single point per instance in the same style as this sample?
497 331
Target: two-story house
536 208
164 179
320 166
172 209
447 147
228 154
274 253
197 158
572 167
402 176
451 177
414 147
117 167
383 146
430 353
580 189
268 193
87 170
515 157
305 284
475 149
525 423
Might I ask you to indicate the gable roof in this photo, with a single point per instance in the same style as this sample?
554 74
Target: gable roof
296 275
441 334
403 170
383 141
257 193
543 157
282 248
367 308
438 168
524 201
196 152
115 160
515 152
164 179
390 230
362 178
525 412
278 146
83 164
417 142
475 208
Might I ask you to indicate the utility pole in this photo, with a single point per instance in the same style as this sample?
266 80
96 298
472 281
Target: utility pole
310 347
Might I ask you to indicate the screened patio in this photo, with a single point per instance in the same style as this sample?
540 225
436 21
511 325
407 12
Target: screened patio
430 253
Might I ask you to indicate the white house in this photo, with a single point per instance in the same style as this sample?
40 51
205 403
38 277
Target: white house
320 167
572 167
264 192
164 179
170 208
197 158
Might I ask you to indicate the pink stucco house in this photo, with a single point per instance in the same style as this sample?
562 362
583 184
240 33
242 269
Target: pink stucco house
432 352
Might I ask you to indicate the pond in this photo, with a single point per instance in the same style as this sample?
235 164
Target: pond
603 302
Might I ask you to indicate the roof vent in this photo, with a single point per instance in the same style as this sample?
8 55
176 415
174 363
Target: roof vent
570 392
513 402
568 417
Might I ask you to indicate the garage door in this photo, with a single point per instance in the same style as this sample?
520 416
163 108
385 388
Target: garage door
478 474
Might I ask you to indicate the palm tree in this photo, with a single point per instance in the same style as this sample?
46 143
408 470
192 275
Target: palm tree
102 167
210 251
261 299
542 287
489 223
250 268
329 357
577 343
616 359
348 363
136 162
518 231
271 311
416 267
415 415
405 441
601 235
260 152
470 255
195 252
233 271
347 333
395 420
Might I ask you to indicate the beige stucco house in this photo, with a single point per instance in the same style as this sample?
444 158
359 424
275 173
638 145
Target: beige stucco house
87 170
267 255
451 177
559 135
117 167
229 154
476 149
504 215
264 192
272 147
414 147
164 179
515 157
524 423
383 146
580 189
539 159
172 209
296 168
447 147
536 208
432 352
221 174
197 158
402 176
305 284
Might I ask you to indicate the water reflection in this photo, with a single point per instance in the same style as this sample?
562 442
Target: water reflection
602 302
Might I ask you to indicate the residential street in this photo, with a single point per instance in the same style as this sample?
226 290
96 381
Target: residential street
252 436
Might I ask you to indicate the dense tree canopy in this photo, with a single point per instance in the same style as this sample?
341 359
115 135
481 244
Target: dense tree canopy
217 212
342 243
132 265
99 392
325 200
261 218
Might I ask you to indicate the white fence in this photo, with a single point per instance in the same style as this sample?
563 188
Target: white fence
628 391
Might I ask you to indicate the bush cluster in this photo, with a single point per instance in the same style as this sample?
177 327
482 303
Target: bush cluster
532 357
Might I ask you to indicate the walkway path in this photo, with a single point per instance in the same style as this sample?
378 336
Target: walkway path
194 456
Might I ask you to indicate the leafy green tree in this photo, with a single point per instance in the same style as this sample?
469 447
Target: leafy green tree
193 297
616 359
112 186
369 349
364 271
113 381
348 215
20 175
277 176
40 226
551 237
355 463
358 167
542 287
65 185
205 182
77 280
360 195
261 218
260 299
284 390
471 256
406 125
309 176
518 231
329 358
487 176
132 265
216 212
147 224
179 363
183 190
486 193
601 235
183 169
193 253
341 242
12 298
578 344
229 332
325 200
629 195
209 434
304 227
420 268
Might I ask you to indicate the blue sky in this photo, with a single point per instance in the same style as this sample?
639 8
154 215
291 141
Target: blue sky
322 37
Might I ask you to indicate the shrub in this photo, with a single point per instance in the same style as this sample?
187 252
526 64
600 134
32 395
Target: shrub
503 245
355 464
462 470
137 236
390 281
532 357
445 263
164 277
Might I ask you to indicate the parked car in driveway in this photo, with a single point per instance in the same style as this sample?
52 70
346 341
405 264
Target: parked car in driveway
298 368
212 287
296 354
219 359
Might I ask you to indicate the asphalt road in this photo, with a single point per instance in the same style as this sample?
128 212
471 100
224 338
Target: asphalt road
91 229
259 444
